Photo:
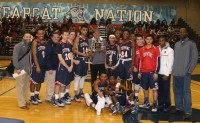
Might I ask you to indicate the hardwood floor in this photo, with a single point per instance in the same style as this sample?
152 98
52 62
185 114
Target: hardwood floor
74 113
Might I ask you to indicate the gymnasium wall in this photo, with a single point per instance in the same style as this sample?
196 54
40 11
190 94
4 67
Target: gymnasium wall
187 9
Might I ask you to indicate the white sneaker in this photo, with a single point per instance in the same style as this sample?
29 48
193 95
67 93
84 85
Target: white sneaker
98 111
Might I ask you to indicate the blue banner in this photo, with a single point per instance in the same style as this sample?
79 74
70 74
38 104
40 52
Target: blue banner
84 12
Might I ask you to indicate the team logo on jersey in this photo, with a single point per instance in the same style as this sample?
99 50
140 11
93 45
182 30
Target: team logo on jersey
147 54
41 48
77 13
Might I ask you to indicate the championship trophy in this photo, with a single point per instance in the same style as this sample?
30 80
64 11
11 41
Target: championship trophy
89 58
110 61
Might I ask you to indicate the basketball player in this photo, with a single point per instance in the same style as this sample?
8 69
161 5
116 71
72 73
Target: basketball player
38 67
80 49
64 73
148 72
136 80
127 57
97 100
112 56
119 99
72 35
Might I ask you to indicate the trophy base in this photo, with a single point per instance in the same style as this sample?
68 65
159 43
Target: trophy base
88 62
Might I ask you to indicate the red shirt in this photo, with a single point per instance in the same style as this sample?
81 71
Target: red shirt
149 58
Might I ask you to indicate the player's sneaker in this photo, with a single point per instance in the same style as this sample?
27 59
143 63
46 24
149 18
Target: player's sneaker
38 98
67 96
81 94
115 110
58 103
154 108
145 105
76 98
33 100
122 109
166 109
134 109
65 101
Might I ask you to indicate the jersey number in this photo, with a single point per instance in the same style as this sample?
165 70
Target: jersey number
124 54
67 56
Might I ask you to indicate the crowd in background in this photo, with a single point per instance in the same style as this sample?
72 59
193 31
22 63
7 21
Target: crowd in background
11 27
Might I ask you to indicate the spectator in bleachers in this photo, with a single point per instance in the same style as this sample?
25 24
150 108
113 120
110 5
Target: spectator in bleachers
102 21
28 19
93 21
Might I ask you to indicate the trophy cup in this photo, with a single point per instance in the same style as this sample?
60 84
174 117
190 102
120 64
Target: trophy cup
110 61
89 58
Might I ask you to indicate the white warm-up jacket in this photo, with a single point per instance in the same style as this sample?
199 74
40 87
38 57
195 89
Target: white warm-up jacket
166 60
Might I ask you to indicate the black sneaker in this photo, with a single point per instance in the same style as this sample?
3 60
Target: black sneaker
76 98
134 109
38 98
81 94
115 110
33 100
122 109
65 101
67 96
58 103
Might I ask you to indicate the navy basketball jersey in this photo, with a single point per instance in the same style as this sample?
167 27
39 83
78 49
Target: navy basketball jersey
101 86
126 50
65 49
83 46
41 53
111 87
111 54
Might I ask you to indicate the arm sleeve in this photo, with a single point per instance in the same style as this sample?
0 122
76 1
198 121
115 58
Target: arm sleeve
193 57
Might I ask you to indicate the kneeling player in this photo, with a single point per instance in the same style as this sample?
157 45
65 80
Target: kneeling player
119 99
97 100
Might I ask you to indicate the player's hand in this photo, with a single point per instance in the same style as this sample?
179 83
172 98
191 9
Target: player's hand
76 62
18 71
165 77
100 94
130 71
50 71
70 68
38 70
87 55
114 67
155 76
135 69
106 66
139 75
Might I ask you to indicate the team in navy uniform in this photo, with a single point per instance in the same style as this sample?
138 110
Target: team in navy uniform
112 52
64 73
81 51
38 67
127 57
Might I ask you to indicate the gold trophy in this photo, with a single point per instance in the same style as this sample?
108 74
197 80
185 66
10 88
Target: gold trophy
89 58
110 61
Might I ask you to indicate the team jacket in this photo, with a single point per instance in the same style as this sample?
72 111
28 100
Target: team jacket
166 59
